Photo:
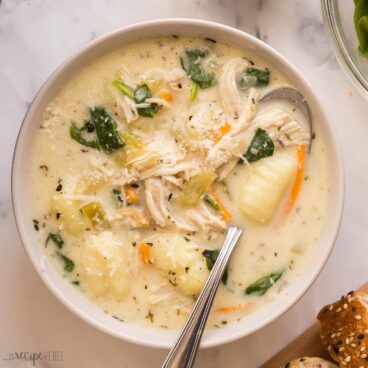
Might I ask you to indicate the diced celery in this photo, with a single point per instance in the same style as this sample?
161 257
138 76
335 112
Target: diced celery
130 156
95 213
130 139
196 186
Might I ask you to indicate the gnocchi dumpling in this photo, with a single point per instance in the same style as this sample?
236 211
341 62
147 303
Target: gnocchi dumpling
70 216
103 270
265 185
181 262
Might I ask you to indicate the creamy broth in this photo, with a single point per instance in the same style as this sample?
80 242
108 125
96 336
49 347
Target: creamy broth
130 229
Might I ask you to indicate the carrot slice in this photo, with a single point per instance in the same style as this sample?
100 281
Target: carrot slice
145 250
131 194
219 133
233 308
301 156
226 215
166 96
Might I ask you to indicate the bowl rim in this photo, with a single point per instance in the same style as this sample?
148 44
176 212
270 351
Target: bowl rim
221 338
329 12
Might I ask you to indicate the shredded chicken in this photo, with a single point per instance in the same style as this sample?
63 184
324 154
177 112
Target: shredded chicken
157 195
103 170
156 200
188 168
129 108
232 144
282 128
133 217
202 217
229 92
145 160
173 180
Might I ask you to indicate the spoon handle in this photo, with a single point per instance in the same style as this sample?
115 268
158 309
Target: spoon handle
182 355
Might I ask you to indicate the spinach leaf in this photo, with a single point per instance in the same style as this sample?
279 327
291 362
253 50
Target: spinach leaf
148 112
201 77
108 138
142 93
56 238
212 202
77 134
261 146
68 263
191 63
122 87
211 257
118 195
254 77
262 285
200 52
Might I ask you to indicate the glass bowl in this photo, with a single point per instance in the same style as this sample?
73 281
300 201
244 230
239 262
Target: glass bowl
338 19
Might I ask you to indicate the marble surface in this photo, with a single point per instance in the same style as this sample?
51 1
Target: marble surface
37 35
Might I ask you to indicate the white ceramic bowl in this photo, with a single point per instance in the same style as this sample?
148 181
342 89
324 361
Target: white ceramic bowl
73 299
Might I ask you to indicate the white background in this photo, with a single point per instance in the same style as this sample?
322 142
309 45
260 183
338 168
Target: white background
36 36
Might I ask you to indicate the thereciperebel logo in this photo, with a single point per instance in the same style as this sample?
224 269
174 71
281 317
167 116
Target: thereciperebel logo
36 356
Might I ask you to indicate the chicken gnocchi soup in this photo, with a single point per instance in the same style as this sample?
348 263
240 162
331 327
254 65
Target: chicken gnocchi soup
146 156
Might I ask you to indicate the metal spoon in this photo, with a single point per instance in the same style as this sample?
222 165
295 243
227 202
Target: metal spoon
183 354
294 98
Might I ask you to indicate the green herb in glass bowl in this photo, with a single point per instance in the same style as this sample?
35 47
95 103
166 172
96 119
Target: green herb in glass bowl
361 25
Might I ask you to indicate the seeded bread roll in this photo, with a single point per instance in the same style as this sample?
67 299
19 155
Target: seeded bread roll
344 330
309 363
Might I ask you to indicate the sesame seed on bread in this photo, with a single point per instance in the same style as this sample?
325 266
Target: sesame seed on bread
344 330
309 363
